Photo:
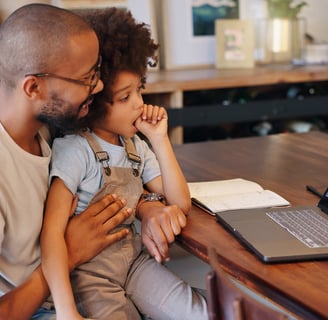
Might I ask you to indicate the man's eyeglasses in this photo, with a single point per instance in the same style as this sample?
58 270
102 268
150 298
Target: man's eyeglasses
91 82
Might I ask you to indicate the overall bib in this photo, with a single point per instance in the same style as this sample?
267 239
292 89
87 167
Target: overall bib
96 282
123 281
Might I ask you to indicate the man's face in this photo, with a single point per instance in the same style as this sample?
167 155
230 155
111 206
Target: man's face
70 90
60 113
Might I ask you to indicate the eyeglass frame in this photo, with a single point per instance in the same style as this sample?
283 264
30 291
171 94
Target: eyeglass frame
91 85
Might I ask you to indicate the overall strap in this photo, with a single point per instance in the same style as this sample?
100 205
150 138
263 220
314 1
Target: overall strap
132 155
103 156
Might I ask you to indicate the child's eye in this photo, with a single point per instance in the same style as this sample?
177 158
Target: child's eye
124 99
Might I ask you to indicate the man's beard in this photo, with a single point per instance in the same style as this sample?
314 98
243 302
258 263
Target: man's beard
59 116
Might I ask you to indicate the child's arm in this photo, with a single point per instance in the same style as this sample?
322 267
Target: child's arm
171 183
54 255
160 224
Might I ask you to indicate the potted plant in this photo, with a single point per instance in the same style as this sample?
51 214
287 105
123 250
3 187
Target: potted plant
284 31
284 9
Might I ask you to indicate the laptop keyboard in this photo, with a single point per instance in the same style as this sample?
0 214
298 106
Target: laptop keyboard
305 224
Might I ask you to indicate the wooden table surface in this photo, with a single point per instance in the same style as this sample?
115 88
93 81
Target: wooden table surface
283 163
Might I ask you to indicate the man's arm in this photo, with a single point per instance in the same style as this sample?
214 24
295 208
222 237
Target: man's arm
86 235
24 300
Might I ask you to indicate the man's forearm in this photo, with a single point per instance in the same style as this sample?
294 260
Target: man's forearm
22 302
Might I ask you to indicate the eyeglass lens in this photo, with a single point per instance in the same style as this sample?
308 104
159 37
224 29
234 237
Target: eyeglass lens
96 76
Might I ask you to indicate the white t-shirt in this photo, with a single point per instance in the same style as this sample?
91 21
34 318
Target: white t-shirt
24 186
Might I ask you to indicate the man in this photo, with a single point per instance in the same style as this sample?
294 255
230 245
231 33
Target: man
48 73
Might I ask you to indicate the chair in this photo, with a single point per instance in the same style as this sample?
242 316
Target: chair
228 302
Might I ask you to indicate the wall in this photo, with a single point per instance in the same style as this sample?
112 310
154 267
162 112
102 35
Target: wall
315 13
317 22
8 6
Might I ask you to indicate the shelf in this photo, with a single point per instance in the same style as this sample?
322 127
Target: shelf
167 88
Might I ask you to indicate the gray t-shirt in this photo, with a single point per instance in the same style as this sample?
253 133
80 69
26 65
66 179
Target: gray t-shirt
74 162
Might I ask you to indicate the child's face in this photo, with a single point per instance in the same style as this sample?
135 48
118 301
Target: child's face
126 108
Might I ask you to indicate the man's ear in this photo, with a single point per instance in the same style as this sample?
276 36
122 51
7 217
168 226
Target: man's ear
31 87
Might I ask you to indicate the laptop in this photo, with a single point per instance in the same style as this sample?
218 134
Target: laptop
283 234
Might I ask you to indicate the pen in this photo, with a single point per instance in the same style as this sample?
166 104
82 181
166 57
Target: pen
314 191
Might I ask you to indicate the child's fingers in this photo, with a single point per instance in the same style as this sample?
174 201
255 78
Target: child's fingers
153 113
162 114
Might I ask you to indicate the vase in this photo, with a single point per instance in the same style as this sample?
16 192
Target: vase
281 40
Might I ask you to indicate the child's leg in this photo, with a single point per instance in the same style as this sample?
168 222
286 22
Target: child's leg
161 295
99 284
102 300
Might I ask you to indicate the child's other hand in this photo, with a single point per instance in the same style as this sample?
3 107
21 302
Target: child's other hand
159 226
153 121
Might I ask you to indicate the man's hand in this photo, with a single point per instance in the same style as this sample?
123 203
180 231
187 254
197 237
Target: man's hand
88 233
159 226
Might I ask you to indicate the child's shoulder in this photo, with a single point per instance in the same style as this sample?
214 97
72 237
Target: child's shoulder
140 143
69 138
70 142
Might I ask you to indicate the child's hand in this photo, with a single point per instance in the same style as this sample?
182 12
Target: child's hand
153 114
159 226
152 122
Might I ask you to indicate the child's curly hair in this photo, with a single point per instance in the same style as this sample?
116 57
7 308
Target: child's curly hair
125 45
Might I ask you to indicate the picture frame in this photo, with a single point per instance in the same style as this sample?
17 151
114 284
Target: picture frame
234 43
181 46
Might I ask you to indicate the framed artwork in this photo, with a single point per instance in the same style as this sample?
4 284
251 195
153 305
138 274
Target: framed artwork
234 43
187 35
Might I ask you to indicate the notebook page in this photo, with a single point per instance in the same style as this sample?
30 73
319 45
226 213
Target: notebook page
222 187
251 200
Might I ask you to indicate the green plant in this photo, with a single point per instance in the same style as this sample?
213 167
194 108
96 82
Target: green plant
284 8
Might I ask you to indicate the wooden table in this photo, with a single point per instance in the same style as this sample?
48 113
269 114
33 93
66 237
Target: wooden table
167 88
284 163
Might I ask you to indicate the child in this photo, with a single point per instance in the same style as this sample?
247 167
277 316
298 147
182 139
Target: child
123 281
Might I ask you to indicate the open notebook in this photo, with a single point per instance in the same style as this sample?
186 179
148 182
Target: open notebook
221 195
